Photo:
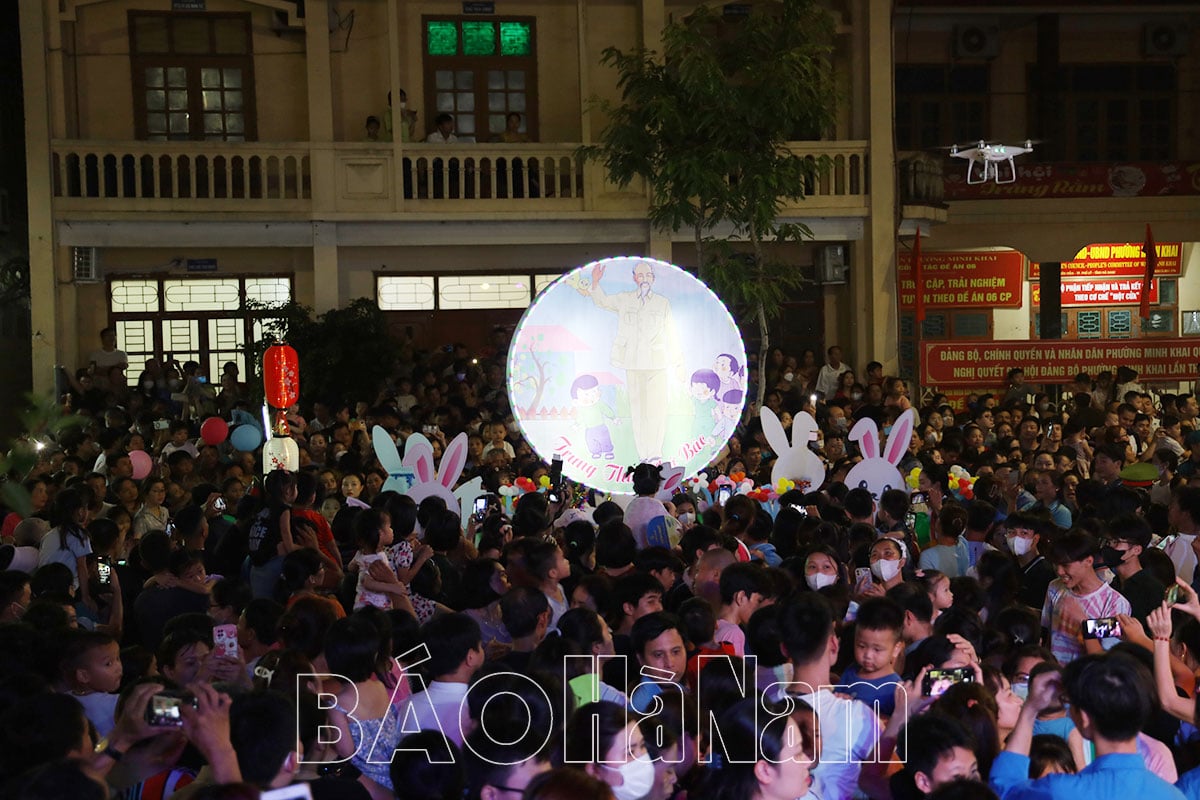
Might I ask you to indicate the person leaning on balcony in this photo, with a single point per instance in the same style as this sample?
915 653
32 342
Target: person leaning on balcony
408 119
512 130
373 133
443 132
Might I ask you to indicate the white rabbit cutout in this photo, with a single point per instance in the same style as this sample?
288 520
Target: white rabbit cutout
794 461
877 473
672 480
418 457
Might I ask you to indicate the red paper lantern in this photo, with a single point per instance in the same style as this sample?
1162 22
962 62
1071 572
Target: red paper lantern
281 375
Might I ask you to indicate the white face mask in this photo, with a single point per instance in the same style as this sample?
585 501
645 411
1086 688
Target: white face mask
637 778
787 376
885 570
1018 545
687 519
819 580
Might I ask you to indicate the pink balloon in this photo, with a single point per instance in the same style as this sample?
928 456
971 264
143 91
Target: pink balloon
214 430
142 464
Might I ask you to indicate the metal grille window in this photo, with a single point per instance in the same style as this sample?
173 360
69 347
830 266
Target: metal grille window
478 71
193 76
197 319
458 292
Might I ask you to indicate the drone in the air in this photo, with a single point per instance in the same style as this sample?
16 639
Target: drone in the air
984 160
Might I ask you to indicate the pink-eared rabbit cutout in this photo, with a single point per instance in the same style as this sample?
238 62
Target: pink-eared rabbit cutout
877 473
418 456
794 461
672 482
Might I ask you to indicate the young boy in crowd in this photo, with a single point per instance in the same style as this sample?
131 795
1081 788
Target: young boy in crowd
90 671
549 567
744 587
1077 596
878 641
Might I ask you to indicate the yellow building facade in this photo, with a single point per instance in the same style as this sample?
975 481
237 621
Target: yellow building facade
187 155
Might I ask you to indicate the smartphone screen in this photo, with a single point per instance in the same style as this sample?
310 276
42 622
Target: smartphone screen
1101 628
104 571
723 494
481 507
937 681
225 641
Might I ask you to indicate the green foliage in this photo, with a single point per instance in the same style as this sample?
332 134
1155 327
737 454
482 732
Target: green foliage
346 354
42 420
706 125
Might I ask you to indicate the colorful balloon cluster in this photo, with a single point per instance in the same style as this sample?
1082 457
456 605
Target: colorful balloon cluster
962 484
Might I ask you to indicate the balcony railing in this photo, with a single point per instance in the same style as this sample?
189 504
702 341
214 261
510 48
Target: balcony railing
364 178
235 173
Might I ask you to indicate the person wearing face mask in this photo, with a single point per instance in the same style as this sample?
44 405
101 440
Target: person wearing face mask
887 561
606 730
1128 537
1024 534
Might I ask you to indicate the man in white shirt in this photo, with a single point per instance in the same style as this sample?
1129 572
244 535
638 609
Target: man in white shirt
850 730
455 647
108 356
827 380
443 132
1183 514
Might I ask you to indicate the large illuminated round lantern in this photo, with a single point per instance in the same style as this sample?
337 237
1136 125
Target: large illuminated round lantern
626 360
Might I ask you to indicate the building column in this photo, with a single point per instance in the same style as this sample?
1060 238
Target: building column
874 309
322 156
326 278
43 284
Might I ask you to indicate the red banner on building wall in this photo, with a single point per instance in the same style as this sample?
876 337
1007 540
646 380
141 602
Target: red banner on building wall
984 279
1101 292
987 363
1116 260
1058 179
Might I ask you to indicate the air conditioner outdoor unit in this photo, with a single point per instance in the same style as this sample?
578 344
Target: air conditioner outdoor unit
976 41
85 265
831 264
1165 39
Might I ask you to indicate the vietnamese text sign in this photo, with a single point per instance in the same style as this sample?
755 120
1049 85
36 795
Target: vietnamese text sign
1101 292
987 363
1058 179
983 279
1118 261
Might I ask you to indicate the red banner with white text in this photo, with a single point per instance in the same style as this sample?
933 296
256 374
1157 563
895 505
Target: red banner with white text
987 363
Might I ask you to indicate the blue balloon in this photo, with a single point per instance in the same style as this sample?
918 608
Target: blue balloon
245 438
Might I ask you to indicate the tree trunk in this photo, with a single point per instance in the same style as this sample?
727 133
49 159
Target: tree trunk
763 343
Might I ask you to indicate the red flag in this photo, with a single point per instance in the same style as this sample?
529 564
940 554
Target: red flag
917 279
1151 263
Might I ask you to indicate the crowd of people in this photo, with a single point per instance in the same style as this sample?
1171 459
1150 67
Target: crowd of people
1020 619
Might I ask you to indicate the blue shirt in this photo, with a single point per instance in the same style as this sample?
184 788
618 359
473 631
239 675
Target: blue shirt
1189 784
1117 776
869 690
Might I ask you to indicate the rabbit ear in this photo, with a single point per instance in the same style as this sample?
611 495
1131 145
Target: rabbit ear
385 449
900 437
866 434
418 456
453 461
803 427
673 477
773 430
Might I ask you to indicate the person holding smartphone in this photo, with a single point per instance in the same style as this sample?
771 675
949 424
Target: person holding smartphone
1076 596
